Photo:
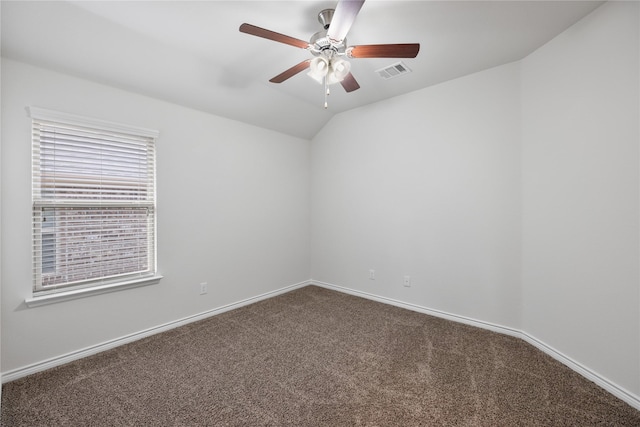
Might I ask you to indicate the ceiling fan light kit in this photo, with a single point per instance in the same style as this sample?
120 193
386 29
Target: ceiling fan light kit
331 70
328 71
329 48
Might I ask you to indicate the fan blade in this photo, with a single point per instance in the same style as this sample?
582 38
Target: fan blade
291 72
406 50
343 18
349 83
272 35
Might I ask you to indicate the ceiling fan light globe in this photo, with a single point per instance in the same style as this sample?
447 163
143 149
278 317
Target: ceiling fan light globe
339 70
318 69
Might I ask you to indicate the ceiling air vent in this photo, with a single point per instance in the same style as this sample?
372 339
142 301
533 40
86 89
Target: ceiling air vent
394 70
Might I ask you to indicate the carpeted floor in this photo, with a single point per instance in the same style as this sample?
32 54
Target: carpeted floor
314 357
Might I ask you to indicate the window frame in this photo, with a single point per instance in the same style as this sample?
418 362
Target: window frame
42 294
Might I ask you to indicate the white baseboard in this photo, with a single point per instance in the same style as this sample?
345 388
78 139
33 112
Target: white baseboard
620 392
89 351
589 374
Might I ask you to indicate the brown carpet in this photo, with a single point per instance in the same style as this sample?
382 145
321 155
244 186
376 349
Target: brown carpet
314 357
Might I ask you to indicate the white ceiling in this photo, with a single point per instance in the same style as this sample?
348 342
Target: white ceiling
192 54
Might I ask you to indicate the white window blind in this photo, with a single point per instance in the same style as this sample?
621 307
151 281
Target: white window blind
93 202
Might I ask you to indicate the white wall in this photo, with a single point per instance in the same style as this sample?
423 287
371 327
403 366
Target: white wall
581 292
426 185
233 210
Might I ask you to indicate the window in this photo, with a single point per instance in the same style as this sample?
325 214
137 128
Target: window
94 204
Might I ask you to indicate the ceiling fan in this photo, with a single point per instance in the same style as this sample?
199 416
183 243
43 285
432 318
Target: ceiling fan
329 48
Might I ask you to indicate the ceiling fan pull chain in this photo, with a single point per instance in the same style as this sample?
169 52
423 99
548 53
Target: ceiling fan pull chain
326 93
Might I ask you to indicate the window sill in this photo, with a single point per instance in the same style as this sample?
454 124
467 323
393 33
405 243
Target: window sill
87 292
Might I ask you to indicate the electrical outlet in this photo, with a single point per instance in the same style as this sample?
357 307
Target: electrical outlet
372 274
407 281
203 288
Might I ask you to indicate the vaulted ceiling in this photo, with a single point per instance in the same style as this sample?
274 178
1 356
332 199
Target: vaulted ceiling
192 54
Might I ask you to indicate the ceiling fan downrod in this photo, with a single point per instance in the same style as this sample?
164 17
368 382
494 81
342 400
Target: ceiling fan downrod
325 16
